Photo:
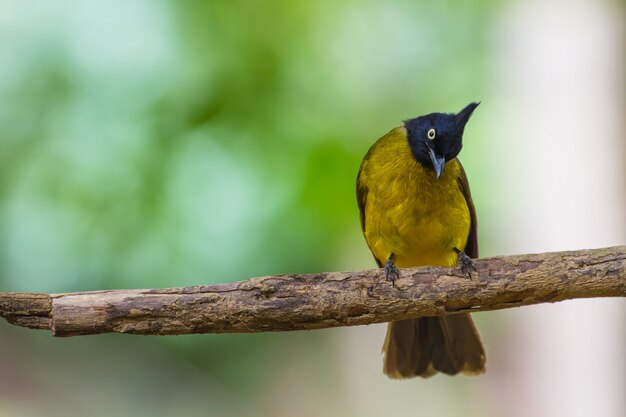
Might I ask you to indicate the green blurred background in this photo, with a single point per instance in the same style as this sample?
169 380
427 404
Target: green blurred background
160 143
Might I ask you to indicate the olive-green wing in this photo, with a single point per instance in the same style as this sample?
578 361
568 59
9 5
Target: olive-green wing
471 248
361 199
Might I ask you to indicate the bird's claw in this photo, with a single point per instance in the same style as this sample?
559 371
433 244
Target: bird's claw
466 264
391 272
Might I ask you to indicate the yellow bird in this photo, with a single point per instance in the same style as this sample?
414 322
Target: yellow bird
416 210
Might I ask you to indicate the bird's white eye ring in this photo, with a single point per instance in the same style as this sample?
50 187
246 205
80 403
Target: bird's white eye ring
431 134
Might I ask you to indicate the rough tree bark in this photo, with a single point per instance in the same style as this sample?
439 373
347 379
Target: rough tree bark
330 299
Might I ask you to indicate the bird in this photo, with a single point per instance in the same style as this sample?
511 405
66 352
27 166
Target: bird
416 210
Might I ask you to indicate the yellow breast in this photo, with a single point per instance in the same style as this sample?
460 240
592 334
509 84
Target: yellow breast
408 211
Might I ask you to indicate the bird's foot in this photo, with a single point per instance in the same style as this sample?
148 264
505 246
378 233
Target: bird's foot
466 263
391 272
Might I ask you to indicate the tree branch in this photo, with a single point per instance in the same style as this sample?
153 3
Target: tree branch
330 299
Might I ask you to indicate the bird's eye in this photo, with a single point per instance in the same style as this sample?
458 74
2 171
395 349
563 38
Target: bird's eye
431 134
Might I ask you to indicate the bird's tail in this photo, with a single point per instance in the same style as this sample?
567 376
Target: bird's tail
425 346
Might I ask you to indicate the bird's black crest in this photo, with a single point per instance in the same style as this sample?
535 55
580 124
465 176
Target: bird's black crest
448 140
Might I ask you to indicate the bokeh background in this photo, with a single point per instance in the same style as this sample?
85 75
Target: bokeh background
161 143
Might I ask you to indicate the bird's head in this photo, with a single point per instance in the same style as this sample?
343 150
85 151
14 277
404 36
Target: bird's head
437 138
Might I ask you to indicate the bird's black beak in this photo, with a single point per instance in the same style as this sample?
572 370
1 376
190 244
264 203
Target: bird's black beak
438 161
463 116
